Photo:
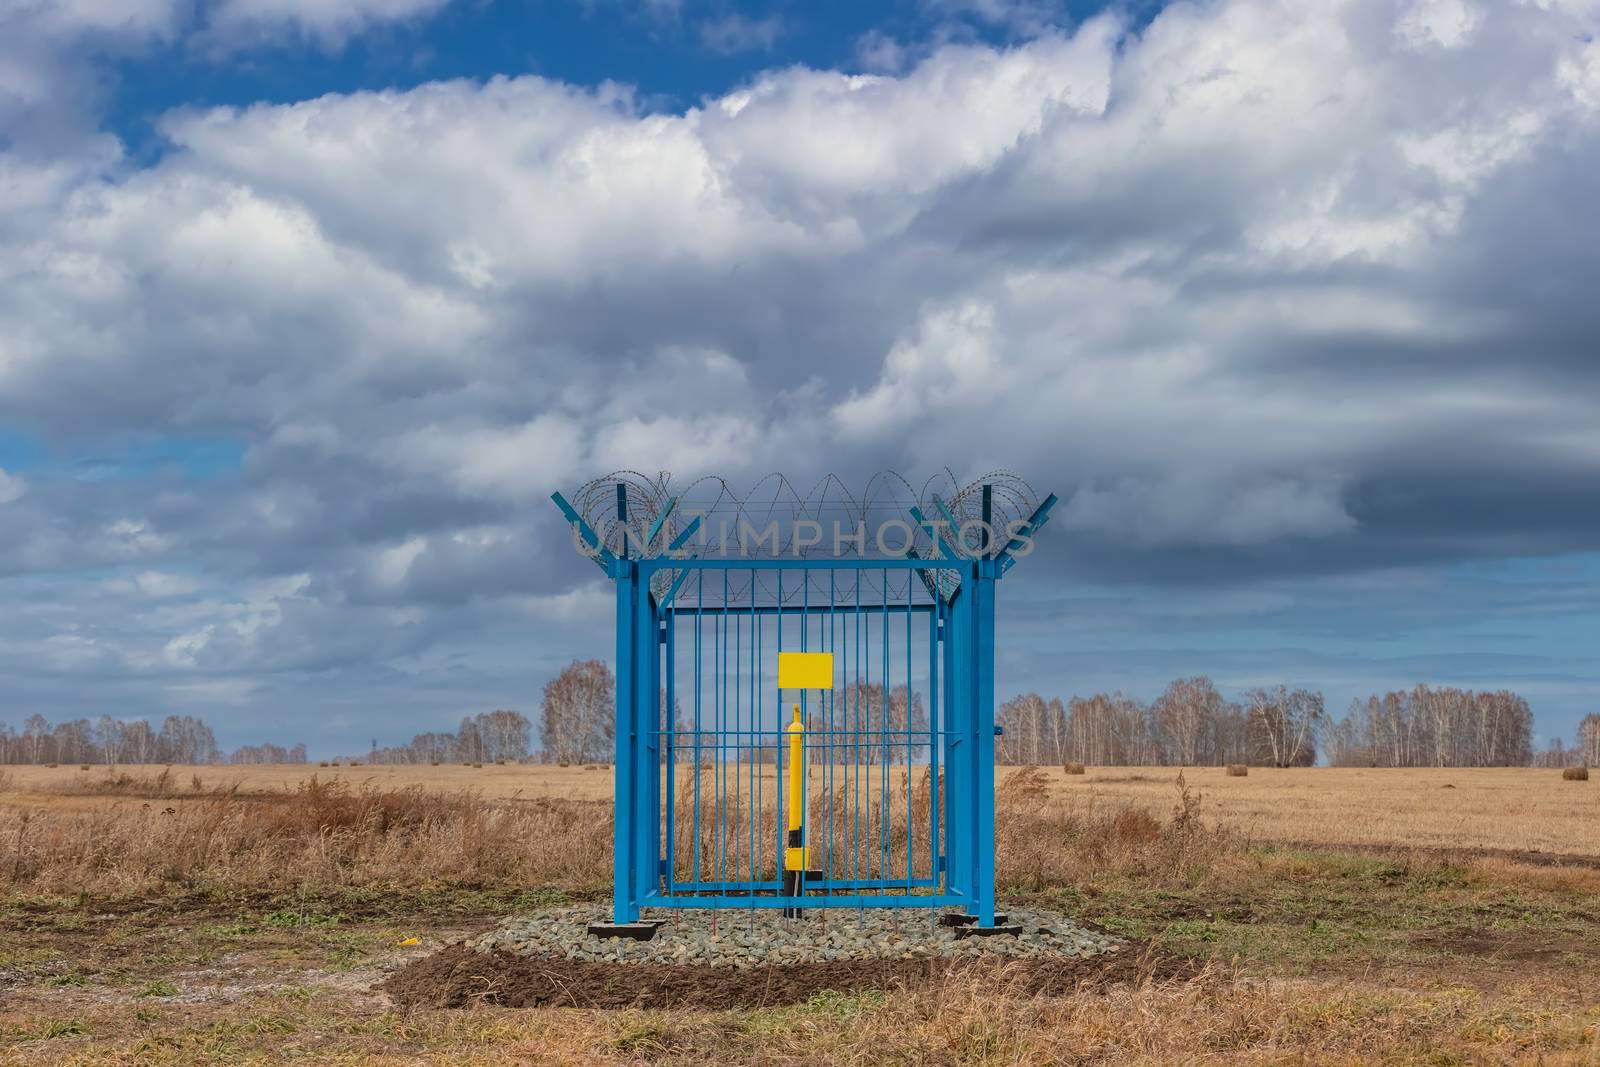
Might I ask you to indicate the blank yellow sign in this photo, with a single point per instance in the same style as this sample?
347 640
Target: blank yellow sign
805 670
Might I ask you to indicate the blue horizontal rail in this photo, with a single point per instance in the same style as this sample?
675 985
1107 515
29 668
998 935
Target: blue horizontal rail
813 885
689 614
663 563
852 900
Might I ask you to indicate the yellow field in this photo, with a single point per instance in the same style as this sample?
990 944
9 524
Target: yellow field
1497 809
1511 809
197 915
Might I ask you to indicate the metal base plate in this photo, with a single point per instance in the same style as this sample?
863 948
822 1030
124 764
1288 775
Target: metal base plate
988 931
639 931
956 918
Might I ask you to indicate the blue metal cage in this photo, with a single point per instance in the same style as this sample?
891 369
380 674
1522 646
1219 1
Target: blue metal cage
898 762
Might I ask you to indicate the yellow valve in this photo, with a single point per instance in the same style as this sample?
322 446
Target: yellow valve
799 670
794 857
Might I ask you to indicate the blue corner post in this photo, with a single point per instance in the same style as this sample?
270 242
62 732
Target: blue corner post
983 650
624 901
969 740
638 766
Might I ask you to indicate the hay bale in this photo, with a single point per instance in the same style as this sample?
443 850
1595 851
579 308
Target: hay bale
1073 768
1576 774
1238 770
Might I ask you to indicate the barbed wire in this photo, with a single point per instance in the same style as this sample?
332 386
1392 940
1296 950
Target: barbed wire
789 523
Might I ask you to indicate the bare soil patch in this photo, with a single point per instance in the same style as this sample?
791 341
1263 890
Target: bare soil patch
459 977
1504 946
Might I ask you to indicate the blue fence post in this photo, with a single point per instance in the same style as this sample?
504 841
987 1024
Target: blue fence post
983 728
647 699
624 906
958 749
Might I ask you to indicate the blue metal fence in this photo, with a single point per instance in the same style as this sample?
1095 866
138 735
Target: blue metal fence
898 756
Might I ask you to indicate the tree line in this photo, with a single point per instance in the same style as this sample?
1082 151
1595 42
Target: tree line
1189 724
180 739
1424 727
499 736
576 723
1585 752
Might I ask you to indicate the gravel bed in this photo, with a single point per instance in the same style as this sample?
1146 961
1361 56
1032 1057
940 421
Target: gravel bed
764 936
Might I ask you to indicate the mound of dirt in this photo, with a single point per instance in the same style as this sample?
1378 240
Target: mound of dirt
459 977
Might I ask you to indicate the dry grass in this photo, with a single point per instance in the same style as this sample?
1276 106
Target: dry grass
326 834
1321 957
1484 808
1510 809
164 784
131 831
47 785
319 834
1215 1018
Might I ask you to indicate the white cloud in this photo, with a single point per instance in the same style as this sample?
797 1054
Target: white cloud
1581 75
1255 272
733 32
519 461
394 563
165 584
12 486
134 537
1444 23
330 22
954 360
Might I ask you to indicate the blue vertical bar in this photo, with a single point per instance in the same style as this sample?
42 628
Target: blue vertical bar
694 815
983 714
884 805
754 738
646 695
832 749
911 831
856 793
958 823
935 738
623 909
805 717
670 714
749 753
778 741
722 738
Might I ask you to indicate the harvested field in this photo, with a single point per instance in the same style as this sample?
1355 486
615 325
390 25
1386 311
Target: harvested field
1309 915
1513 809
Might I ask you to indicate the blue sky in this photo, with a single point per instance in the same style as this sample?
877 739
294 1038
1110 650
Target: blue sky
306 306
